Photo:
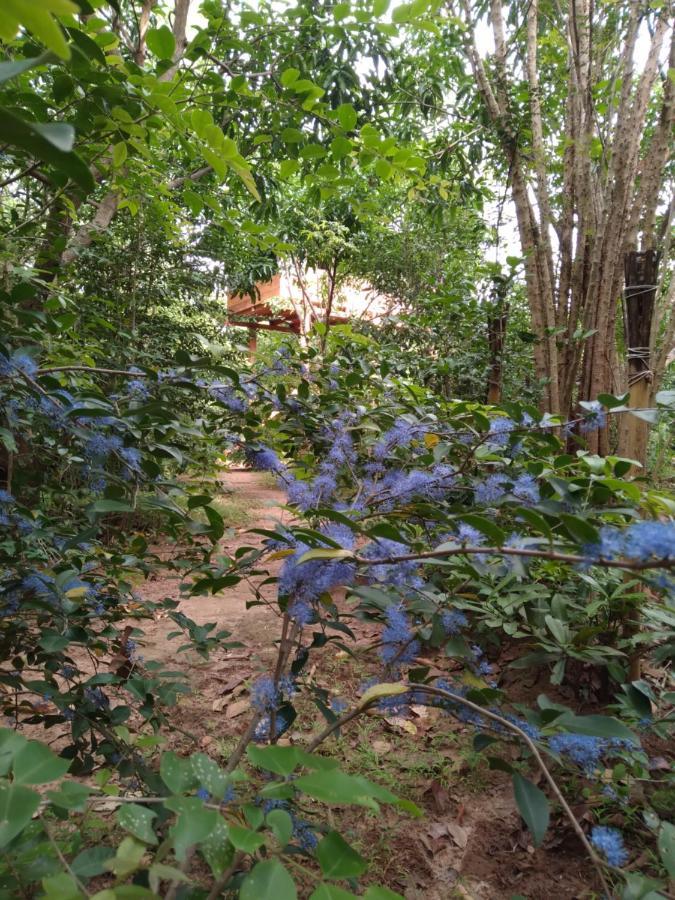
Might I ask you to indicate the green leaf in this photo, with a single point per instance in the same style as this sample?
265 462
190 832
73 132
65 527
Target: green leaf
17 805
533 806
161 42
382 690
666 844
268 880
92 861
337 859
289 76
137 820
597 726
177 773
39 19
281 825
347 116
11 743
217 850
288 167
330 892
193 825
128 857
15 67
383 168
37 764
340 789
319 553
486 527
70 795
119 154
244 839
61 887
46 142
109 506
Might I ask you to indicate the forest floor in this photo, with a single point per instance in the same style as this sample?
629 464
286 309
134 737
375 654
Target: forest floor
470 842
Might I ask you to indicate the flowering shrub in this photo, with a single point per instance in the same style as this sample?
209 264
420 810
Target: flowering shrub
439 518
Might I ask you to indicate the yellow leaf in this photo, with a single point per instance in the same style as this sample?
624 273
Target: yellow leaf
383 690
431 440
281 554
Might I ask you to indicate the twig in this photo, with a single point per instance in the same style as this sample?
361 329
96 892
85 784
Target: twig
63 860
225 877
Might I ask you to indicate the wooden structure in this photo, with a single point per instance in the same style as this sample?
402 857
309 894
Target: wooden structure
294 305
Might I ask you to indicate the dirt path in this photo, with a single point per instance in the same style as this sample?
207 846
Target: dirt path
217 682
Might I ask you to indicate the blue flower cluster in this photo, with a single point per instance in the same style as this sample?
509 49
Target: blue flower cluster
401 434
609 842
264 459
18 362
266 696
642 541
305 582
453 621
500 429
399 645
226 395
400 574
399 487
595 417
587 751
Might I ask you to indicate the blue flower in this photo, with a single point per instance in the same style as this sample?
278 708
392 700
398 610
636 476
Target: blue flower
453 620
594 417
525 488
203 794
491 490
264 694
225 395
583 749
399 645
401 434
400 574
609 842
265 459
500 429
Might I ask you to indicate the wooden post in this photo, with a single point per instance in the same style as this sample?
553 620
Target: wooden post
641 271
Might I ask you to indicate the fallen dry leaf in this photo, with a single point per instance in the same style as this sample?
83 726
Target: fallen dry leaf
381 747
236 709
459 835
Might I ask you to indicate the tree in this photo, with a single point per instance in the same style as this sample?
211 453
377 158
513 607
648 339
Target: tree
587 193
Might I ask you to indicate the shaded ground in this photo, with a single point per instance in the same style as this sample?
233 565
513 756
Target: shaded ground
470 842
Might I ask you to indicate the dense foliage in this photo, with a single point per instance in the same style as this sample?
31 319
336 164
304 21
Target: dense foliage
146 168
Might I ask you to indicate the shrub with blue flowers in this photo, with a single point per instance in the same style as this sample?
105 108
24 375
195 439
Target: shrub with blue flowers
455 529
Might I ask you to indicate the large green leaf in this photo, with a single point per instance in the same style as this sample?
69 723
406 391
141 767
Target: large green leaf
17 805
340 789
161 42
337 859
137 820
533 806
14 67
48 142
268 880
193 825
37 764
37 17
666 845
597 726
